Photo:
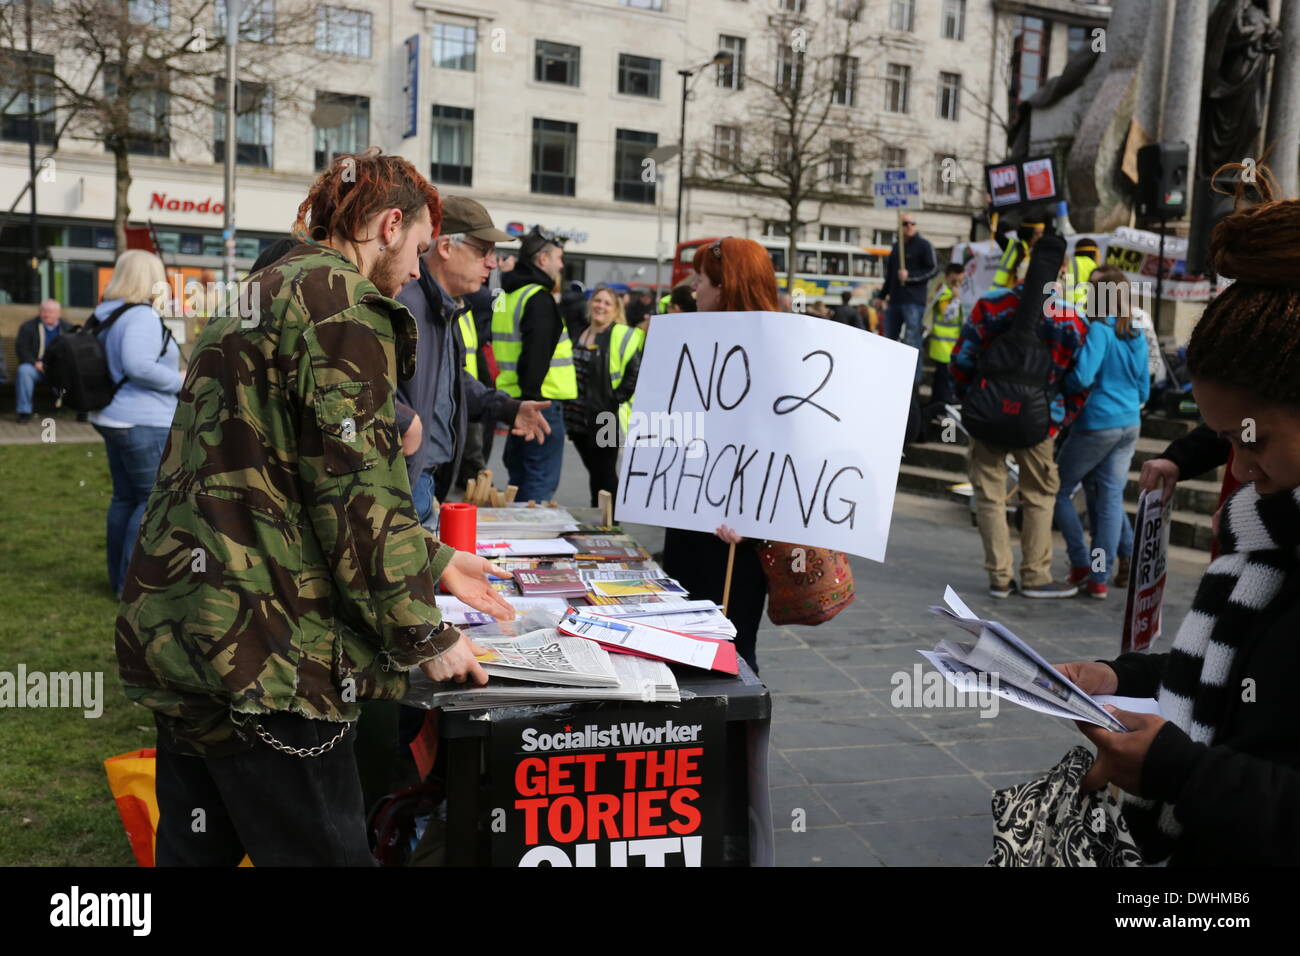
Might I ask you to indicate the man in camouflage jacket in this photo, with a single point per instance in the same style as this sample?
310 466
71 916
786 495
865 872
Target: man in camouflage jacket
281 576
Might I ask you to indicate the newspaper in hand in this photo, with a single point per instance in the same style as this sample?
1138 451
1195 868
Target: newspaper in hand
1023 675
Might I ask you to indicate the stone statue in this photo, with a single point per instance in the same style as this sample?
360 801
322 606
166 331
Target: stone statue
1241 39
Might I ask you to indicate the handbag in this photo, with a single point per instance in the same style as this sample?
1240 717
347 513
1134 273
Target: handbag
805 585
1051 822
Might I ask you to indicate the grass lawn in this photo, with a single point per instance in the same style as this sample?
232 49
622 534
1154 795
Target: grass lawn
56 614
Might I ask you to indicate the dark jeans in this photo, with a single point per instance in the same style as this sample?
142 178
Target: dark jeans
942 392
534 467
601 463
133 457
907 318
279 809
422 497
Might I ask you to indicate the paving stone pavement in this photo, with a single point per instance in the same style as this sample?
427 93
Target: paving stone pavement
876 785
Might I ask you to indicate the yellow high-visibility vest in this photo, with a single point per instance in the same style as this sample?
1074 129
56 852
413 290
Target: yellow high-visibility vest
561 382
945 325
469 333
624 343
1009 265
1077 273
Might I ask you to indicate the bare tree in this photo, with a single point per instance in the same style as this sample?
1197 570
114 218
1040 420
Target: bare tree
801 134
140 76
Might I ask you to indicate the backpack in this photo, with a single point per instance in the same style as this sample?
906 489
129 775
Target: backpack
1009 402
76 363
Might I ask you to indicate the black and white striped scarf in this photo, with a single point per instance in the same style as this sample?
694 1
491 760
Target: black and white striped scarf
1259 546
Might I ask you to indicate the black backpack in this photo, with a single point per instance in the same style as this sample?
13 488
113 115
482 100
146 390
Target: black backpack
77 365
1009 402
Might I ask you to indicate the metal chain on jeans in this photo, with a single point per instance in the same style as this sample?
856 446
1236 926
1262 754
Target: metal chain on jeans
316 751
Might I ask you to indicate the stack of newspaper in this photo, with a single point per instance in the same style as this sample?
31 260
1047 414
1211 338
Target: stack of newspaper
521 521
701 618
1020 674
547 667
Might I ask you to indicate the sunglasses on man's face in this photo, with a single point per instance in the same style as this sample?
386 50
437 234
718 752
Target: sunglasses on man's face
481 249
908 223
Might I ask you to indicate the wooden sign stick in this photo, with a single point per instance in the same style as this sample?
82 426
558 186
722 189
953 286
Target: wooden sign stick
726 587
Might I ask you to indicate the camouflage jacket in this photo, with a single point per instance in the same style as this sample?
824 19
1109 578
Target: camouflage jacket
280 565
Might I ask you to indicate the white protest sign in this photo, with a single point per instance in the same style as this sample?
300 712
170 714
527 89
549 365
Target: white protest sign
896 188
780 426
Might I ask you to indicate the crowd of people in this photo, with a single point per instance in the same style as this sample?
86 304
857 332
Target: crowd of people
295 460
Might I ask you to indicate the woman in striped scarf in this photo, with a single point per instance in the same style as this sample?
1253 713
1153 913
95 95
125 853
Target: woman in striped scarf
1215 779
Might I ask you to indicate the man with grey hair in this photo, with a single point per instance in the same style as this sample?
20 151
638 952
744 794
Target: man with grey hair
34 337
443 392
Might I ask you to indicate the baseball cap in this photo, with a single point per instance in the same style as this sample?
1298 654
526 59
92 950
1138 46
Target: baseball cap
538 239
460 214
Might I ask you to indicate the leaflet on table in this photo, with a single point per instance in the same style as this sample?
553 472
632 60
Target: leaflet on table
703 618
556 581
548 657
632 587
633 637
524 623
524 522
618 574
522 547
999 651
457 612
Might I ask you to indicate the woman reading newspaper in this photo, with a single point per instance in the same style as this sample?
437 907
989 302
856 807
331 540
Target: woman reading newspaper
1215 779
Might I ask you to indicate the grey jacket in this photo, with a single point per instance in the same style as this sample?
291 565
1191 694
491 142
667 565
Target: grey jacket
474 401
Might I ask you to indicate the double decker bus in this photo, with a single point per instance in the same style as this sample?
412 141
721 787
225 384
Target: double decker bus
825 269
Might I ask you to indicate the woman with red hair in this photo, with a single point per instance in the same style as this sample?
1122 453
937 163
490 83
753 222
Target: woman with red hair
731 275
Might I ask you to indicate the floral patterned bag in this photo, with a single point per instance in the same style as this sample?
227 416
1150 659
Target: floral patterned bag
805 585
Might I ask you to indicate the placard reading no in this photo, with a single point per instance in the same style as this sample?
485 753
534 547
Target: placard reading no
896 188
781 426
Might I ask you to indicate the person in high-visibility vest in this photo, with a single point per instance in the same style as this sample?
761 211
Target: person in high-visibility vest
606 359
1078 270
443 393
1015 254
946 316
535 356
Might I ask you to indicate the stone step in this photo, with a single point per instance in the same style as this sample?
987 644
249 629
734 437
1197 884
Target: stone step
1167 429
1188 529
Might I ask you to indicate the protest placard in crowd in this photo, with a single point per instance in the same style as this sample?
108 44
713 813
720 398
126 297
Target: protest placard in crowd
780 426
1146 586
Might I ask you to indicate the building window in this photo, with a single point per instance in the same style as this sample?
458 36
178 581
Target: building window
789 68
902 14
731 73
884 237
845 90
555 150
1076 40
453 146
18 65
638 75
894 157
793 6
256 20
148 109
840 234
776 229
783 152
1028 58
726 147
898 82
254 124
630 150
454 46
556 63
948 99
945 174
841 163
342 122
150 13
953 24
341 30
644 4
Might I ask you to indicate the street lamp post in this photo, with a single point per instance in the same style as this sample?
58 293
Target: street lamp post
722 56
232 96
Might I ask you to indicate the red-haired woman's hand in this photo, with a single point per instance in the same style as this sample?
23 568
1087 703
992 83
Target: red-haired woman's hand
728 535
